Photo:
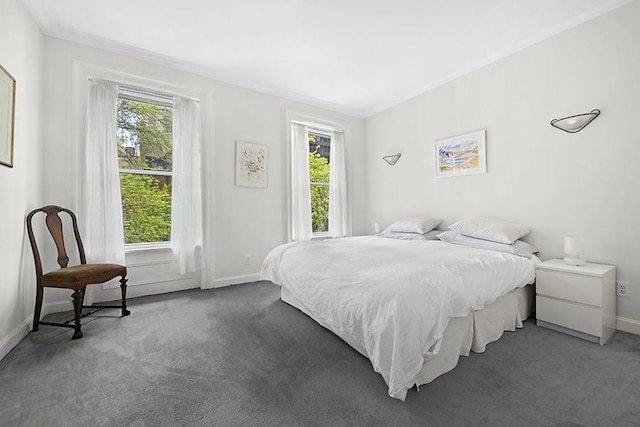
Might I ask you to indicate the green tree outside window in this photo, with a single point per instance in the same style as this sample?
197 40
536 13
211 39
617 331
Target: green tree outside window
145 144
319 170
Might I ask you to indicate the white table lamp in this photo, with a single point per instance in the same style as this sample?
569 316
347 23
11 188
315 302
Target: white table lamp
574 251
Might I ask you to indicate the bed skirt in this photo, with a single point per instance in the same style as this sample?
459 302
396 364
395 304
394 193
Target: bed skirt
463 334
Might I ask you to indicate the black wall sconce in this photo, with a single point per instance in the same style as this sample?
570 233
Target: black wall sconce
573 124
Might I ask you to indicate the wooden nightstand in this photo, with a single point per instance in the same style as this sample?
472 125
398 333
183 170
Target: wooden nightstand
580 301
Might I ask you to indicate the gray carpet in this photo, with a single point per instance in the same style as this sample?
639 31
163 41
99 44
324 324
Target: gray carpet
238 356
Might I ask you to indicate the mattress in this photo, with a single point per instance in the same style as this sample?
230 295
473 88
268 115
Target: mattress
391 299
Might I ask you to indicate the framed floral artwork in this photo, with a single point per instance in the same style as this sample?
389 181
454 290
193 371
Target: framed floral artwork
461 155
251 164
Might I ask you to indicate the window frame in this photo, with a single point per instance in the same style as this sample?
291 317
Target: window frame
325 125
157 98
83 70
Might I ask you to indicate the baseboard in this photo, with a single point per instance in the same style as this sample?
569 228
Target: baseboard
236 280
12 340
628 325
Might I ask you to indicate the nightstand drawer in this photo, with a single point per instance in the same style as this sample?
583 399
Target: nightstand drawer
572 287
574 316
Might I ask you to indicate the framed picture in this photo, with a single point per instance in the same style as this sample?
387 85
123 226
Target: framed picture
7 113
461 155
251 164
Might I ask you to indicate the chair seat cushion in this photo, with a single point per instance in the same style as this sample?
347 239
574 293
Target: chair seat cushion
78 276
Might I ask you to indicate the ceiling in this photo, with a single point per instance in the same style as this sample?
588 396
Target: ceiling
357 57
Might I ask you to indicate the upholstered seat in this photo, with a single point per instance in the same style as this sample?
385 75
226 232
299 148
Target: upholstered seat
75 277
79 276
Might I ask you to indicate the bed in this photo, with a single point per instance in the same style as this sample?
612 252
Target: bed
412 307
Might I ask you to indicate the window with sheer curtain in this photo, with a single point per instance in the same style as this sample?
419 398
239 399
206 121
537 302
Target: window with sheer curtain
319 204
142 174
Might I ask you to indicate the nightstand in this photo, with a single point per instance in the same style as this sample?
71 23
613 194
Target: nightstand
580 301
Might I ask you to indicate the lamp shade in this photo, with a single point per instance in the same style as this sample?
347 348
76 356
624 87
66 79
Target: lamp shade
574 250
392 159
573 124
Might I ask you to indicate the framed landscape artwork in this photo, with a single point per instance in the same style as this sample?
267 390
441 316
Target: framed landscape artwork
461 155
7 113
251 164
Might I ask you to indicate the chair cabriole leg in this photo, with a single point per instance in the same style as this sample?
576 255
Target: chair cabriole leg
123 290
38 308
78 297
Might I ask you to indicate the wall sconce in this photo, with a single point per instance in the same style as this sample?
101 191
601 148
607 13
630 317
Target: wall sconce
392 159
574 251
573 124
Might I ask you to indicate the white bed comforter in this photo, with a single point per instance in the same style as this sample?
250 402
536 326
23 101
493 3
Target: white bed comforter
394 297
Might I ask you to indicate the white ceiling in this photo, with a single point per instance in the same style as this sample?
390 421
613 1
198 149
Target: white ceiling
353 56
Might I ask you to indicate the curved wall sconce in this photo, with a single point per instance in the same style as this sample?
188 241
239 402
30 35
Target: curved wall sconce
573 124
392 159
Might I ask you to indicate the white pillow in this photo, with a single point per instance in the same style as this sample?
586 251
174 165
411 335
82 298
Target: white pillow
429 235
519 247
414 224
490 229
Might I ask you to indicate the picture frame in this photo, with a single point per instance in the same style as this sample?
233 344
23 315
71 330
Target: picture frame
461 155
7 116
252 162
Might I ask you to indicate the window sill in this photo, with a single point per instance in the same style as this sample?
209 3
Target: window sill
144 254
146 247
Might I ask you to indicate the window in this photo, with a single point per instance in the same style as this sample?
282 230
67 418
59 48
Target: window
143 177
144 138
317 188
319 178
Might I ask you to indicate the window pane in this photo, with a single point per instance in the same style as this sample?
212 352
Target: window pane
146 207
319 170
319 208
144 135
320 144
319 151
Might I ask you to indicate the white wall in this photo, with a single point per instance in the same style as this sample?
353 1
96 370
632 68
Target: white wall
246 221
21 44
583 184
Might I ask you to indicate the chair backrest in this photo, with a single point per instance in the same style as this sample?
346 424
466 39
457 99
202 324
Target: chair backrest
54 224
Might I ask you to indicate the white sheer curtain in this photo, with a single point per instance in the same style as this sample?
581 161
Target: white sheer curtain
300 191
186 197
338 205
103 235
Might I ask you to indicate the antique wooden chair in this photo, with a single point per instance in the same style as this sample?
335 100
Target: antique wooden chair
75 277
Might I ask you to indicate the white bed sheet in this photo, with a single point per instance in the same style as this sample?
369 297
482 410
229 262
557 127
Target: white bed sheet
463 334
392 299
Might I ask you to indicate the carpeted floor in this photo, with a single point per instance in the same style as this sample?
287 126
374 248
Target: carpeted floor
238 356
